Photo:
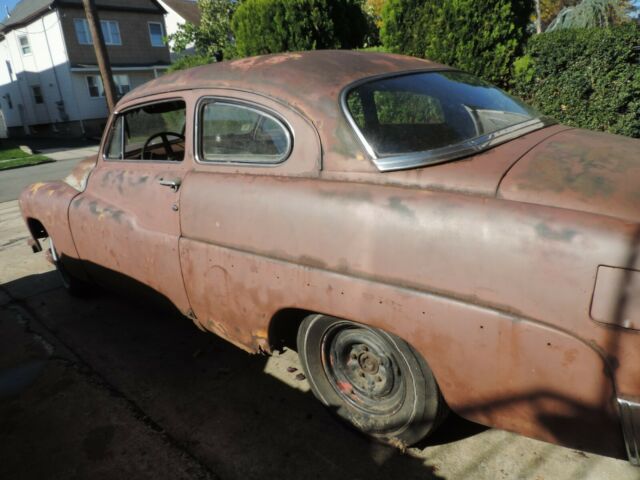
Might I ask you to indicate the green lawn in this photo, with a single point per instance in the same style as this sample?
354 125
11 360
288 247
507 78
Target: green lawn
12 157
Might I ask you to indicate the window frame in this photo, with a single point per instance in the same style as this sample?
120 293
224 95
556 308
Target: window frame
22 47
114 120
405 161
261 110
117 24
100 85
84 22
35 97
163 34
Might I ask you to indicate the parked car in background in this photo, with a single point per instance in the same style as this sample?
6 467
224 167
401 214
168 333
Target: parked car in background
424 240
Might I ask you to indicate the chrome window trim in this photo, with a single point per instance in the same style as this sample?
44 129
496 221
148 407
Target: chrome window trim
403 161
630 420
261 110
117 113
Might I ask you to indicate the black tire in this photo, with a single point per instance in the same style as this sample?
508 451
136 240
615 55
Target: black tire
73 285
371 379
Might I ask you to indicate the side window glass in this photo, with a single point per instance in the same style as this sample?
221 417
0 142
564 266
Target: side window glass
236 133
151 132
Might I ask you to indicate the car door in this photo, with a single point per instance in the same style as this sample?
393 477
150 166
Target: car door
126 224
251 151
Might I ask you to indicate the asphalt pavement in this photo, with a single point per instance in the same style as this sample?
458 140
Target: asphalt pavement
66 157
109 387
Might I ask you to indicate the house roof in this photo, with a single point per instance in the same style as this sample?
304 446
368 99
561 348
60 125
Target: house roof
187 9
26 11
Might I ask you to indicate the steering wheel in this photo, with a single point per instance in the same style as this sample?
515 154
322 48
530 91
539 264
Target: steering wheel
171 155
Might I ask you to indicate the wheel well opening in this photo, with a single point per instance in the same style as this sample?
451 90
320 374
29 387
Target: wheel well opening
283 328
36 228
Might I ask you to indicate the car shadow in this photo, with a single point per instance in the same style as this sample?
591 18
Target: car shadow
208 396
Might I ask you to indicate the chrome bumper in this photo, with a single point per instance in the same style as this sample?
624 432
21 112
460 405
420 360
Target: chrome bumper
630 419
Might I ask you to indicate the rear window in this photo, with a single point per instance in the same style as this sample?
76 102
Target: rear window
427 111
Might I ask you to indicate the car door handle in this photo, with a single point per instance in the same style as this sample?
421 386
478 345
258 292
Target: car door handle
174 184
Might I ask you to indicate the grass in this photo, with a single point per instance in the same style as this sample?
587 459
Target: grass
12 157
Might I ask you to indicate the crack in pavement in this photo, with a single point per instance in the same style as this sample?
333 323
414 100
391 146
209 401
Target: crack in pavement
27 317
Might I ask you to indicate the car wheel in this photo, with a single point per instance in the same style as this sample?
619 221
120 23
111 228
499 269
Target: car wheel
370 378
71 284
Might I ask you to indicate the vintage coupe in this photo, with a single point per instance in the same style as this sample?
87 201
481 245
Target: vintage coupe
423 239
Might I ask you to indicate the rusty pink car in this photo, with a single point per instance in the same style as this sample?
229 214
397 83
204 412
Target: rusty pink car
424 240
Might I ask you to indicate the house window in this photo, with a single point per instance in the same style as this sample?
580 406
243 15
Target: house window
156 34
96 88
25 47
9 102
82 31
9 69
37 94
110 32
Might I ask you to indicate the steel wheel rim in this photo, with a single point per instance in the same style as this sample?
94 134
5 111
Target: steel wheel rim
362 369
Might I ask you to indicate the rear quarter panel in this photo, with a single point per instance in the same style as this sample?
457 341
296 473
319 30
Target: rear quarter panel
494 294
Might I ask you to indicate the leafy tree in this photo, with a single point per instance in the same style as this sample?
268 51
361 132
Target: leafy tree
212 36
593 13
481 36
549 9
271 26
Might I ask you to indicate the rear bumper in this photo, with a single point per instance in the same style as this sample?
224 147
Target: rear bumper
630 419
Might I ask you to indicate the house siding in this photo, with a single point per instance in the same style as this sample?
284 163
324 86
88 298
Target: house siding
45 67
136 45
67 107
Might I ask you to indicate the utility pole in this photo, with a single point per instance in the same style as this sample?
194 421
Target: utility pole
538 19
101 52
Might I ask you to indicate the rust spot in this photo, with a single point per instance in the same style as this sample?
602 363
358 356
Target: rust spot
345 387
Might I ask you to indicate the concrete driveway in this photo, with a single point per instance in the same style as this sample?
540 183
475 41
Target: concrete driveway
109 388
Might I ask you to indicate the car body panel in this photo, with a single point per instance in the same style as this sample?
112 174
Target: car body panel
494 368
580 170
127 222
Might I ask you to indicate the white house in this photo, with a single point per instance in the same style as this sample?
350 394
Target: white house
49 79
179 12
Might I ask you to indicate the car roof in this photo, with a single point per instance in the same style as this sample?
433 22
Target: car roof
309 82
303 78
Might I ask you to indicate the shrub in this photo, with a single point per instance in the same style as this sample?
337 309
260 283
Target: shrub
271 26
587 78
483 37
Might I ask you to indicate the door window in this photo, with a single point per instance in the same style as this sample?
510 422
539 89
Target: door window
231 132
151 132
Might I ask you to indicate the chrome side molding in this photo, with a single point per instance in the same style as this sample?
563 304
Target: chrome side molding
630 419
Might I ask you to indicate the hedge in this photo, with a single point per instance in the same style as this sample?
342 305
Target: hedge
272 26
483 37
588 78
